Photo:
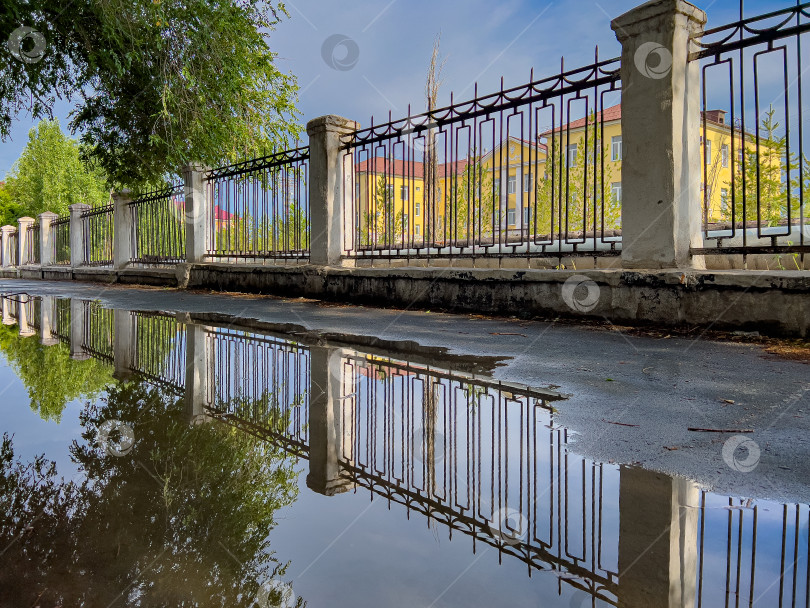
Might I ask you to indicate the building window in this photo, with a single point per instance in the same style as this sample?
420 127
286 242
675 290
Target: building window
418 189
708 145
616 148
571 156
404 221
417 209
724 155
723 199
511 183
403 192
510 216
498 185
417 230
527 182
527 214
616 191
438 192
389 193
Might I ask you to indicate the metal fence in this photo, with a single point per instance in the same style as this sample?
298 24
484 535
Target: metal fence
262 385
98 334
530 171
756 174
159 350
60 235
259 210
32 244
97 235
159 227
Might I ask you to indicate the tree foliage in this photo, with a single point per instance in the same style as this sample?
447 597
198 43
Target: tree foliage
50 376
181 520
49 175
156 84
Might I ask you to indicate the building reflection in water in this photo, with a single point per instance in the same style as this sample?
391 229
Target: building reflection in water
478 458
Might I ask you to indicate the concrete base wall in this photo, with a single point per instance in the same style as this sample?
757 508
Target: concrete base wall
775 303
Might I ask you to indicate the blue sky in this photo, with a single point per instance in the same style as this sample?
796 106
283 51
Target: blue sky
482 41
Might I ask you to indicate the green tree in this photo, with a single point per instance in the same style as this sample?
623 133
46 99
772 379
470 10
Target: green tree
10 210
181 520
763 176
49 175
50 376
470 212
383 225
155 83
582 182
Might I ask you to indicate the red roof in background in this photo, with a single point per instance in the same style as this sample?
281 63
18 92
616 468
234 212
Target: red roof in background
219 213
610 114
401 168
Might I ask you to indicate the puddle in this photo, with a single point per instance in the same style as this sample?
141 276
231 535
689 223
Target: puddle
200 462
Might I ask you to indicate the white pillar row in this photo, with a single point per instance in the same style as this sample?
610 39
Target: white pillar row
47 321
46 238
124 230
198 360
326 437
6 232
123 343
661 210
78 238
196 210
331 175
78 326
22 230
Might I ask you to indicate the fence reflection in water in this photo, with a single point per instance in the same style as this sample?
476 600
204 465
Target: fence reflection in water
472 455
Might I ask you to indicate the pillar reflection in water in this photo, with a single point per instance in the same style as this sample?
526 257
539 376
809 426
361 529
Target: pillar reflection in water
478 458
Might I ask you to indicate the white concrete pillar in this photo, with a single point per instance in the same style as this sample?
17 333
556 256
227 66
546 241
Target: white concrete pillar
658 517
78 325
22 230
124 230
661 204
331 175
325 434
198 365
25 328
8 258
8 314
47 320
78 238
198 222
46 238
123 343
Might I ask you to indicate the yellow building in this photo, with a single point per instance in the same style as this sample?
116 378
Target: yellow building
390 193
715 154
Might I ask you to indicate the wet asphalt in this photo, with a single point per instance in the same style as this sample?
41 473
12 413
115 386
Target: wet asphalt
630 399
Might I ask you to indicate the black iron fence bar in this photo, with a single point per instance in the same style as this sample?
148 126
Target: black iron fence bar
276 159
260 383
260 209
99 327
740 28
601 72
98 231
469 462
761 209
159 227
60 228
490 177
159 347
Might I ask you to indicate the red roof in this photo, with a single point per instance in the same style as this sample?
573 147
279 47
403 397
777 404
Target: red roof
219 213
610 114
401 168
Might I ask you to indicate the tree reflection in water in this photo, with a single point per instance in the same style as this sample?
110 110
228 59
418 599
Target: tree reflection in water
181 520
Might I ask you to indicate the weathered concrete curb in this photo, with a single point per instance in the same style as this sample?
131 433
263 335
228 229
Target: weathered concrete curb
775 303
